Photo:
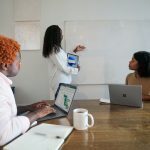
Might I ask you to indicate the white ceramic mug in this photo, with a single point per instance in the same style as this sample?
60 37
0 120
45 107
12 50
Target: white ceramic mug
80 119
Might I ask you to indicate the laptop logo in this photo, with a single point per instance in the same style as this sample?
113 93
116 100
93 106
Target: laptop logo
124 95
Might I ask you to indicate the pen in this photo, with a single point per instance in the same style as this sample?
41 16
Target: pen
40 134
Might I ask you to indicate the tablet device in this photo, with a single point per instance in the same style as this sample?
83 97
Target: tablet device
72 60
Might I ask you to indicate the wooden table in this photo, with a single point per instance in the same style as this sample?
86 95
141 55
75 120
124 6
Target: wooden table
116 127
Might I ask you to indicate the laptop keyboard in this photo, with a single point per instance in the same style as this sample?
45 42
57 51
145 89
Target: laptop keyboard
57 113
53 115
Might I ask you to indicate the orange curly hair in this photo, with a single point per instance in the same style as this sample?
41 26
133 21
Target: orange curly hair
8 50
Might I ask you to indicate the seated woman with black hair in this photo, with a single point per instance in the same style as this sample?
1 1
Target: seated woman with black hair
140 63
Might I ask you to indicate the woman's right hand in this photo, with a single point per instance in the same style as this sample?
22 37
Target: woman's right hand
45 111
39 113
79 48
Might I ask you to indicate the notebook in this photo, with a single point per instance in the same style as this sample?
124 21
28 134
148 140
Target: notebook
63 100
42 137
73 60
130 95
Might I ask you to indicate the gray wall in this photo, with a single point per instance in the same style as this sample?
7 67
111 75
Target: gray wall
32 81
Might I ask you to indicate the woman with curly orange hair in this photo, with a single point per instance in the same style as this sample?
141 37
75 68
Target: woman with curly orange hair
12 125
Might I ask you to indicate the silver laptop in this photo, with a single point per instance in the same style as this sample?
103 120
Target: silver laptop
130 95
63 100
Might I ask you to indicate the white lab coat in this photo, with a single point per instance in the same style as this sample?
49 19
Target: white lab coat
59 71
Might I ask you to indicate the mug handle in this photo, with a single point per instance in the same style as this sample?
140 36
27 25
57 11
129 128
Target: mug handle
92 121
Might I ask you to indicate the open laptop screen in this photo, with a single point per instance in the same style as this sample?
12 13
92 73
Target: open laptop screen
65 96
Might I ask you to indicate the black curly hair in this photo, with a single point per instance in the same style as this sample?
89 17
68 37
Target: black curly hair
143 59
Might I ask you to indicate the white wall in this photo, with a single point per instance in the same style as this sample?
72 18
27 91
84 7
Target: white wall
56 12
32 81
6 17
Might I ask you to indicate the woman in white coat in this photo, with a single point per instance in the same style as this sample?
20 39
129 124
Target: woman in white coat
59 71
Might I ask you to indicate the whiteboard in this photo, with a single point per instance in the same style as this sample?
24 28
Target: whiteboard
110 46
27 33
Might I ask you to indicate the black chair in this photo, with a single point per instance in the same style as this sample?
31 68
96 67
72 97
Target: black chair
13 89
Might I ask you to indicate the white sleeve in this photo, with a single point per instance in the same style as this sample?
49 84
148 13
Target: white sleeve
11 126
62 65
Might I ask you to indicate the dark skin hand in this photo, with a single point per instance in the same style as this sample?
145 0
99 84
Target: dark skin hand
32 107
36 110
33 116
79 48
78 67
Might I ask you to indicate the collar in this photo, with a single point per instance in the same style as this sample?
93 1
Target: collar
5 78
